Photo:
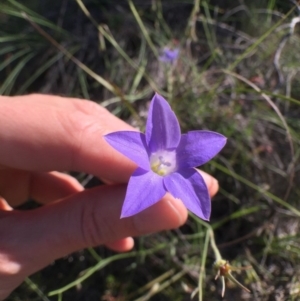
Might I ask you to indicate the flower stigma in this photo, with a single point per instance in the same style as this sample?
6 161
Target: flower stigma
163 162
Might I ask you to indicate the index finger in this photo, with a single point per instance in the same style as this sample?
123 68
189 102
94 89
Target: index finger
44 133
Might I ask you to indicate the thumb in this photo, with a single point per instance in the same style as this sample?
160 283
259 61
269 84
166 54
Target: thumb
89 218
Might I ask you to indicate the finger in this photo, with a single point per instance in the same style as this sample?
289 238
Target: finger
50 186
4 205
122 245
60 134
211 183
44 187
89 218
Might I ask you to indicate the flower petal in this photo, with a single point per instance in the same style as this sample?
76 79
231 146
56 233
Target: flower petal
198 147
189 186
145 188
169 55
162 129
132 145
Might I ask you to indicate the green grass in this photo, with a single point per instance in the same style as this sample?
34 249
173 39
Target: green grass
224 80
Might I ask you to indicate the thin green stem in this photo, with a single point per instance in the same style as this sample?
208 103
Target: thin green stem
101 265
202 266
212 237
256 187
143 28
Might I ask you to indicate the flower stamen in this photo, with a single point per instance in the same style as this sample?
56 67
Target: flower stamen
163 162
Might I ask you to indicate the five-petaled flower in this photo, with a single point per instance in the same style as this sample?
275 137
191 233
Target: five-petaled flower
166 161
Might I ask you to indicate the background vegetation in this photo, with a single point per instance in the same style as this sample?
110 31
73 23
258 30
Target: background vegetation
237 74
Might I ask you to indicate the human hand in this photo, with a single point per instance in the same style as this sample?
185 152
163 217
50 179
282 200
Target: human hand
41 136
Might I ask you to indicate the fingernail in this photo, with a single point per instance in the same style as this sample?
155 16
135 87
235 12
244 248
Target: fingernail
169 213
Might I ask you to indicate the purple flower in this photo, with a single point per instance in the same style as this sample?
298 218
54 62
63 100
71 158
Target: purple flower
169 55
166 161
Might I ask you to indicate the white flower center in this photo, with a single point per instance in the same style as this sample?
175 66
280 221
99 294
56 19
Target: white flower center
163 162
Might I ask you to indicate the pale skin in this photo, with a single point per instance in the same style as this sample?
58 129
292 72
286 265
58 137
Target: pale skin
41 137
